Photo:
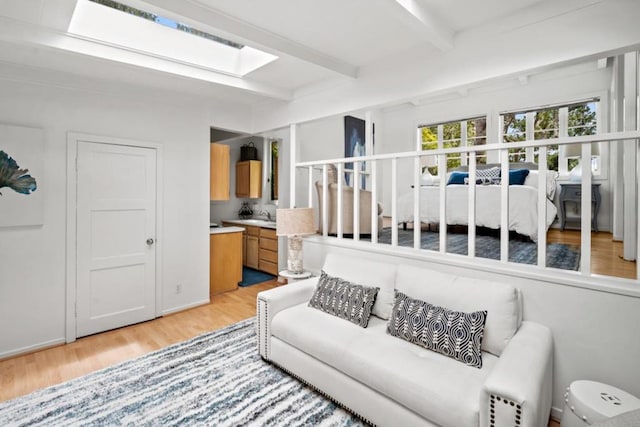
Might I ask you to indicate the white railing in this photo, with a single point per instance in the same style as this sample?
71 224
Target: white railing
441 155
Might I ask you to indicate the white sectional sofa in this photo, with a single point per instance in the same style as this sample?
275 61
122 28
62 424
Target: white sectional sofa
391 382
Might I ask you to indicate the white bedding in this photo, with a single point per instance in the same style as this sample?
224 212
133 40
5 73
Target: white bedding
523 211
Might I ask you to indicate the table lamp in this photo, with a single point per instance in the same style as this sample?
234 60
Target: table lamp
575 151
293 223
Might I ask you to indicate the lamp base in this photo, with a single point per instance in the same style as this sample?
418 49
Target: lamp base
294 261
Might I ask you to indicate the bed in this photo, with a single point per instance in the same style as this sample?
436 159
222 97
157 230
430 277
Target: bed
523 205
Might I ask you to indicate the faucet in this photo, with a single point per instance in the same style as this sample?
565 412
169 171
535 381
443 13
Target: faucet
266 213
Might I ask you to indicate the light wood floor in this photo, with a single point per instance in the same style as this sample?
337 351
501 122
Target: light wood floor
24 374
606 255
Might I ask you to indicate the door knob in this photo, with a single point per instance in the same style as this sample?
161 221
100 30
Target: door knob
149 241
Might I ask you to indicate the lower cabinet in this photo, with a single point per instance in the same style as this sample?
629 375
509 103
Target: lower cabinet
225 265
259 248
251 258
268 251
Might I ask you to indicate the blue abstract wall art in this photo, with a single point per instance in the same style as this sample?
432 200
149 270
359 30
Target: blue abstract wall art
12 176
22 172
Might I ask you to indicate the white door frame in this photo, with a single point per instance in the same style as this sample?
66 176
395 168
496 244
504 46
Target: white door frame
71 242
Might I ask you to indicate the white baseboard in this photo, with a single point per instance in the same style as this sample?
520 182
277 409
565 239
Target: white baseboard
32 348
556 413
185 307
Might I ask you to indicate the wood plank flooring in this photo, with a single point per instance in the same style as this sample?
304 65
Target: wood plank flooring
23 374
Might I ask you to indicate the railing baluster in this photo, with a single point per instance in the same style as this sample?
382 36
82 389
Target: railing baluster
339 204
542 207
356 201
417 224
471 222
374 201
394 202
310 186
325 200
504 205
585 206
442 173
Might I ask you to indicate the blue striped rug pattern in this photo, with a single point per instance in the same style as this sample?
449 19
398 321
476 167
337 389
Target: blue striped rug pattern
559 255
214 379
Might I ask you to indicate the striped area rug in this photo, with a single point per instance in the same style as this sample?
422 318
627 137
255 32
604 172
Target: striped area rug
216 379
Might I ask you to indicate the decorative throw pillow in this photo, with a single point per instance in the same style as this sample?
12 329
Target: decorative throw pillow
344 299
518 176
488 173
457 178
451 333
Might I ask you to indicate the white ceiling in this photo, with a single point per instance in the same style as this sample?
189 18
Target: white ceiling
316 41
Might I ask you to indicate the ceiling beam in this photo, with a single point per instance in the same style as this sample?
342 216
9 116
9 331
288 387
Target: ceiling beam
415 12
200 15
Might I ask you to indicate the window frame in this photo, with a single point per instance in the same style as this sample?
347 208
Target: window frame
562 131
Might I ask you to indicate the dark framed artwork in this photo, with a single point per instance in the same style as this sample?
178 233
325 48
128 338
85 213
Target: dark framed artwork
354 146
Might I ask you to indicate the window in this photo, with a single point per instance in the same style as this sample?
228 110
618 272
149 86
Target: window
166 22
549 123
463 133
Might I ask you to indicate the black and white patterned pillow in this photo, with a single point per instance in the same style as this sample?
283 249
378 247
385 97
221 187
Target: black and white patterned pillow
452 333
488 173
344 299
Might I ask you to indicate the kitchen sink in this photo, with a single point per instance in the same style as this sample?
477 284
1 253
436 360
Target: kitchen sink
256 222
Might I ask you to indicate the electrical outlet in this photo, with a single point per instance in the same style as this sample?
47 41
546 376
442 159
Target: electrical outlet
178 288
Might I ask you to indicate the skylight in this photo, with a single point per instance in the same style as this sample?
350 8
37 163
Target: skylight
166 22
159 42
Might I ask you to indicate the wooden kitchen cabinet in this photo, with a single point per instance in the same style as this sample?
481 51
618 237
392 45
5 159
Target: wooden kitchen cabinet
268 258
219 174
259 247
225 265
249 179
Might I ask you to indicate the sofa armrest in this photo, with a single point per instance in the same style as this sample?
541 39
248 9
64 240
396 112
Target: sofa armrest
271 302
518 389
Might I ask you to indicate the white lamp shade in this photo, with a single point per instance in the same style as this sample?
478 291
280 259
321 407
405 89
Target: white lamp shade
295 222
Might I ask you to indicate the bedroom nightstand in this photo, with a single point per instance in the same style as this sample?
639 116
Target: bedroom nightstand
573 193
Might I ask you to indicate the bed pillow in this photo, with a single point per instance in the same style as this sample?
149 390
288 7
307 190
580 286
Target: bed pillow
344 299
451 333
518 176
457 178
489 173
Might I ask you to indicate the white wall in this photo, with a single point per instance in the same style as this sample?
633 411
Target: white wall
32 259
594 332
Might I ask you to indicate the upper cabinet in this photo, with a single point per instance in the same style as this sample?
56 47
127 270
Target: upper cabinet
219 172
249 179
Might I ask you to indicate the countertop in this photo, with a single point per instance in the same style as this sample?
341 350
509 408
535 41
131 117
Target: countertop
222 230
253 222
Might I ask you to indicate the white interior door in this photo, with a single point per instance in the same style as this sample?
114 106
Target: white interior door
116 225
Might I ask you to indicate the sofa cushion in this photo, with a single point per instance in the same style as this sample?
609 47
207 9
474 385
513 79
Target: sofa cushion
499 300
452 333
367 273
435 387
344 299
